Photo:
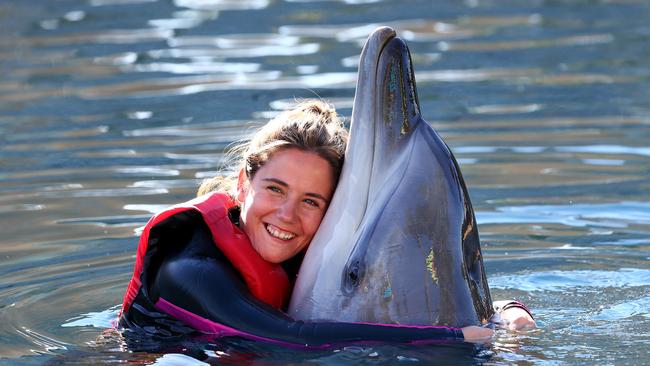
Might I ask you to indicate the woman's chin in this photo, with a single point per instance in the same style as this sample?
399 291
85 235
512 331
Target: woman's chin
273 258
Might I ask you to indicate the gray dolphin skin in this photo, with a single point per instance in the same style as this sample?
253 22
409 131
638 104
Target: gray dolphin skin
399 243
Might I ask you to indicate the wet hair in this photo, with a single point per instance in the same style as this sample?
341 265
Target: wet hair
310 126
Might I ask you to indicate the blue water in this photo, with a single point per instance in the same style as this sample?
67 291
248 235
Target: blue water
111 110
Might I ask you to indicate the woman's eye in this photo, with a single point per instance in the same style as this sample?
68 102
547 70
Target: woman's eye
274 189
312 202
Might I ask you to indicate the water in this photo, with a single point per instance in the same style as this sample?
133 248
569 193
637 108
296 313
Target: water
113 109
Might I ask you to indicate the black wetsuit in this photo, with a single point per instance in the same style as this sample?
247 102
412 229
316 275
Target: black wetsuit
192 274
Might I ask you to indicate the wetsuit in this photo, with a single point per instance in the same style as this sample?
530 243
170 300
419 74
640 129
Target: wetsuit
187 284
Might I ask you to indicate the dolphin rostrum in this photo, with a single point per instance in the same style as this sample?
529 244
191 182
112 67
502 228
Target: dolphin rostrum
399 242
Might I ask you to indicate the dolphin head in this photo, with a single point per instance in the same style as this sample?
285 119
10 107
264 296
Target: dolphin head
399 242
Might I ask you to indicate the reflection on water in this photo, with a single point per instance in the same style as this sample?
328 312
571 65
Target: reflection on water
112 109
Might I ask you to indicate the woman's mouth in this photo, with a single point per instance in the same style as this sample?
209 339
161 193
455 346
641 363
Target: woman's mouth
278 233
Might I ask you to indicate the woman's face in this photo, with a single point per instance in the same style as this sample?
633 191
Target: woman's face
284 203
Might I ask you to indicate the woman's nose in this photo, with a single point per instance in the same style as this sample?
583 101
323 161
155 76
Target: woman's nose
287 211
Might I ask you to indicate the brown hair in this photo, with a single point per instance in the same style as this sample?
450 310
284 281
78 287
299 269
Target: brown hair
312 126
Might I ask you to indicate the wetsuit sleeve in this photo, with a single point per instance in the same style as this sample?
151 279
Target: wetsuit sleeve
205 291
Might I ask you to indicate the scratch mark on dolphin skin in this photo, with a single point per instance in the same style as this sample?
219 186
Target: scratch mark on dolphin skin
413 97
405 121
392 85
391 82
426 283
468 230
388 292
431 266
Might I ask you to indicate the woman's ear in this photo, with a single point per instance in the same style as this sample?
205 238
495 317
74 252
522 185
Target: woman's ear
242 185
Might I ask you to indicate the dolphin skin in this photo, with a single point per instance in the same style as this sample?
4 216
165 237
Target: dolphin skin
399 243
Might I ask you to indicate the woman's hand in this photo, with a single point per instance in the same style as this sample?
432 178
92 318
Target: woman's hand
477 334
514 315
517 319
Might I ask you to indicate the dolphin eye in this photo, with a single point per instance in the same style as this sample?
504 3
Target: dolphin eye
353 273
352 276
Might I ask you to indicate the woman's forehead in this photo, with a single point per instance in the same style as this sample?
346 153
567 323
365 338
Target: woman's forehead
299 169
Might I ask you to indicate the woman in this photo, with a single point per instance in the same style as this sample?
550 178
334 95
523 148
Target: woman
219 263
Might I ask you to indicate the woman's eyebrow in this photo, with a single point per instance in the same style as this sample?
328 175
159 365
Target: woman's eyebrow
319 196
277 181
285 184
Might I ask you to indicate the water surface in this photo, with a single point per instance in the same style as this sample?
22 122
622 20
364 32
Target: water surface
111 110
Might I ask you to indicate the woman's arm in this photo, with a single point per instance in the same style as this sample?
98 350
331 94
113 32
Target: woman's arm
208 294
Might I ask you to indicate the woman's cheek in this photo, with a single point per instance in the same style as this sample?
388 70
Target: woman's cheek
315 219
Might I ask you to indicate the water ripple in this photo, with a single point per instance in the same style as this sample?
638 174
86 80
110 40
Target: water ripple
147 170
579 280
198 67
87 193
107 221
20 207
505 109
115 36
241 52
185 19
44 343
119 2
101 319
627 309
235 41
607 149
583 40
615 214
153 209
223 4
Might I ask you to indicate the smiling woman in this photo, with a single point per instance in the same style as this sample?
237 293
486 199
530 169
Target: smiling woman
221 264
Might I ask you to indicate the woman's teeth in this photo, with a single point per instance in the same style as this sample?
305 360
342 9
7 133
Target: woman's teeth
277 233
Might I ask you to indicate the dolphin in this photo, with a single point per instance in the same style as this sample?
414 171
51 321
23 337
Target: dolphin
399 243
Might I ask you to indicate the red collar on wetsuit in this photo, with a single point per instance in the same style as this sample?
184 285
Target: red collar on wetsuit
268 282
